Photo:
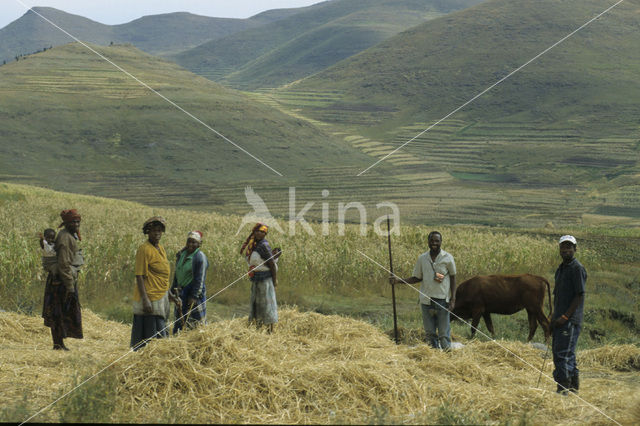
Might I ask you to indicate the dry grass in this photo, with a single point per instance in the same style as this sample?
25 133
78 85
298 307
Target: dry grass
313 369
618 358
28 365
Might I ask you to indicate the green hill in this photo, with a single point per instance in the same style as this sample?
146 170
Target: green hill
165 33
31 33
69 120
561 135
309 41
497 163
174 32
429 70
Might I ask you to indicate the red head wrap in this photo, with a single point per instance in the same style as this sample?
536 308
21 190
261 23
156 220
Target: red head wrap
69 216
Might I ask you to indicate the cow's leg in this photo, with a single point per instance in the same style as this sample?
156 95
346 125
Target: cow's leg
489 323
544 323
476 313
533 324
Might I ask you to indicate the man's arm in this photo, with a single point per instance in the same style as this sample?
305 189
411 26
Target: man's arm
410 280
575 302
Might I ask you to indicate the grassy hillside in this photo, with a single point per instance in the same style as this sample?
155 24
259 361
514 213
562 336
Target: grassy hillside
307 42
427 71
559 138
546 166
165 33
174 32
71 121
30 33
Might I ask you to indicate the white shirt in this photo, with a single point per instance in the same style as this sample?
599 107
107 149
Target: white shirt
48 250
426 270
256 260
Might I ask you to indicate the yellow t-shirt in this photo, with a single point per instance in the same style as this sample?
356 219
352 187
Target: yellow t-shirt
153 264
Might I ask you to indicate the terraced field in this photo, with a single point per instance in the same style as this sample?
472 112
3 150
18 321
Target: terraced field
213 74
507 173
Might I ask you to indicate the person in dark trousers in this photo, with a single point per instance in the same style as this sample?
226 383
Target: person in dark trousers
189 284
566 322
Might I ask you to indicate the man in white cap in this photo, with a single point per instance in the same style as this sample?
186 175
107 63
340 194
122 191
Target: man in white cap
568 305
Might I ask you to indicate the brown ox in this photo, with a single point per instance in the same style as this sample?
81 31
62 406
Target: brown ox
482 296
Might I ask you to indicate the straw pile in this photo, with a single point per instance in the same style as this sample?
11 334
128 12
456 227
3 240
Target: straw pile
328 369
31 370
320 369
618 358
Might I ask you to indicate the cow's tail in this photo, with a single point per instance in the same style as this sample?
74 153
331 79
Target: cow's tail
549 298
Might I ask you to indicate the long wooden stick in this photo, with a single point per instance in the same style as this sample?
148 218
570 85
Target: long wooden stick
393 286
180 315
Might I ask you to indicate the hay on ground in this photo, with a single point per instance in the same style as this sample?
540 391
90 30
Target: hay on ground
313 369
618 358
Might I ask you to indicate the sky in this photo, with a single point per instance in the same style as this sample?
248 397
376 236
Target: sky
113 12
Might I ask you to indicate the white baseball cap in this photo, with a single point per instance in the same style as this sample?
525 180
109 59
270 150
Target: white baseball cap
569 238
196 235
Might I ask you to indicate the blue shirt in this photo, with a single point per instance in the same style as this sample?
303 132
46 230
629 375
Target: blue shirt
571 280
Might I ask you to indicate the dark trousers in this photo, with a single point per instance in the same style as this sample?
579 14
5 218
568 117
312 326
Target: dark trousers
147 327
57 335
563 346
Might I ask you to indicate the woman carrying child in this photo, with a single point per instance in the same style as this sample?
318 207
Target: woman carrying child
263 275
61 308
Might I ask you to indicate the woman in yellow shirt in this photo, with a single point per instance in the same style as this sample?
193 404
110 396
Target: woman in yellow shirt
151 295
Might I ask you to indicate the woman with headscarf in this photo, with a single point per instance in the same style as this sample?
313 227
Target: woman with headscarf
262 272
61 308
151 295
189 284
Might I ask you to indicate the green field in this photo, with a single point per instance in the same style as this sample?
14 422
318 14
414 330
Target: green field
321 273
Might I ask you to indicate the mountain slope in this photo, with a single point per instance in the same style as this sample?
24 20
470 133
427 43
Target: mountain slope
66 116
31 33
561 135
165 33
318 36
427 71
174 32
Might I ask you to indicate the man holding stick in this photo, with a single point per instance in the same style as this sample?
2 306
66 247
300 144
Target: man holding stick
436 269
